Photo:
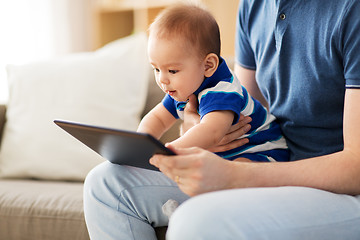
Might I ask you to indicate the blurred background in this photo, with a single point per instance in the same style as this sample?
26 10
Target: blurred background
33 30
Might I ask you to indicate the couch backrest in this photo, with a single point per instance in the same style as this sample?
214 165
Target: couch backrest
154 96
2 119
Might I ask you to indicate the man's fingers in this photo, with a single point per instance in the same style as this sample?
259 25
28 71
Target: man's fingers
186 151
230 145
243 121
185 158
192 104
235 135
191 116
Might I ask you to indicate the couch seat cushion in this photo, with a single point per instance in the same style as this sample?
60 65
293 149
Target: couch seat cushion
31 209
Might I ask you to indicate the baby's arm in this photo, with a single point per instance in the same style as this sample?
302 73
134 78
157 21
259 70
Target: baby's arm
211 129
157 121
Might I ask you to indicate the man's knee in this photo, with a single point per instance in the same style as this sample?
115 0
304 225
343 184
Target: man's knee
103 181
95 176
195 219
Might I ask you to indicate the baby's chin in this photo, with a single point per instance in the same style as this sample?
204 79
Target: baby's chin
178 98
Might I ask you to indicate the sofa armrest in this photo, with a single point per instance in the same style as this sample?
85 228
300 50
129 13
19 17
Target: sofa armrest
2 119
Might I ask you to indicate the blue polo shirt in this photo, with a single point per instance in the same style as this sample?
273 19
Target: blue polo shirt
305 53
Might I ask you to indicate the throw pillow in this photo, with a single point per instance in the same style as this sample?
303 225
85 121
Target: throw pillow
107 87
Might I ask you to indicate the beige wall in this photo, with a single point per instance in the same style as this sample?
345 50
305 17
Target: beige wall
225 14
118 18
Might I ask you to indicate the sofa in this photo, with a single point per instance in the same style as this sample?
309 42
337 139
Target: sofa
36 201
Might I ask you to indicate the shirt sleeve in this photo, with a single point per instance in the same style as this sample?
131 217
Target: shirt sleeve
169 104
221 101
351 42
244 54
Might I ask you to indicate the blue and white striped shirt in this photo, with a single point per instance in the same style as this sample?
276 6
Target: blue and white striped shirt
222 91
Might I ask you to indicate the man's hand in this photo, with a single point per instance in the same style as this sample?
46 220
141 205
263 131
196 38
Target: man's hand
232 139
195 170
191 116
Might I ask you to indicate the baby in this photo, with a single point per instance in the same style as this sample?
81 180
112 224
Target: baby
184 50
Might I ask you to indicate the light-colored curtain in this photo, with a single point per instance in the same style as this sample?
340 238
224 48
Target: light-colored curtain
40 29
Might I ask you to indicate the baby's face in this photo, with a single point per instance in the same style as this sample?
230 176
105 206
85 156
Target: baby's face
178 69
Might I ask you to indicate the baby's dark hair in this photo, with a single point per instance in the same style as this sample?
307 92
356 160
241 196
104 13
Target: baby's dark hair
193 22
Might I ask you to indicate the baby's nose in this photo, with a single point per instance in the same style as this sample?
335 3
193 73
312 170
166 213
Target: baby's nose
163 79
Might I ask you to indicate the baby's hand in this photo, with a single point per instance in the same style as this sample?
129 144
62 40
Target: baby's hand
170 146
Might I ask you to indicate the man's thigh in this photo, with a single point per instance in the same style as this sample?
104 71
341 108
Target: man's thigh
267 213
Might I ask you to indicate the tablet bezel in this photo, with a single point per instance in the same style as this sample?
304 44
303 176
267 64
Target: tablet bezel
118 146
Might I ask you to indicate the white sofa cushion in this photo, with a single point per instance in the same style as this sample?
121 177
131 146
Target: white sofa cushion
107 87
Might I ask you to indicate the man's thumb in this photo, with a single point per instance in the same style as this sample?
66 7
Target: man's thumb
192 104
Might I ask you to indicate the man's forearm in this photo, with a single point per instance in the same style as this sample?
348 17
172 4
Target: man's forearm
338 172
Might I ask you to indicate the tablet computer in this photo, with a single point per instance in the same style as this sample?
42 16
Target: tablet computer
117 146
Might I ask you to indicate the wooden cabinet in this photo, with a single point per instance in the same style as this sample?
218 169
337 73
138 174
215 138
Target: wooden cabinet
225 12
114 19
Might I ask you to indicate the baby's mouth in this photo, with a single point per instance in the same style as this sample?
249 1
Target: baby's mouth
171 93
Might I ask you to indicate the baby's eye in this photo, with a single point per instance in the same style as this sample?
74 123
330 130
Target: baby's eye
156 70
173 71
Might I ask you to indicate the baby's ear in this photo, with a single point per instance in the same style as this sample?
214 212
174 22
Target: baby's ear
211 63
